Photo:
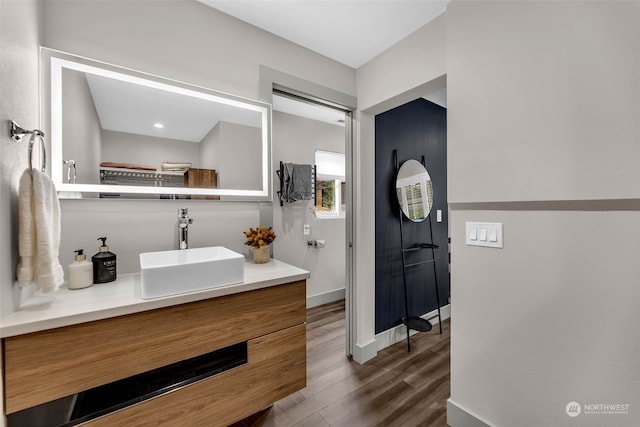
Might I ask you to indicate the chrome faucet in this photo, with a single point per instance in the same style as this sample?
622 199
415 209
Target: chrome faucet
183 228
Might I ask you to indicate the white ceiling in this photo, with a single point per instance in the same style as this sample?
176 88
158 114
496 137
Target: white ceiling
308 110
351 32
133 108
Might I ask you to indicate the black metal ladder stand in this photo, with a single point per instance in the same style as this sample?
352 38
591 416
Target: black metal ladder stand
415 322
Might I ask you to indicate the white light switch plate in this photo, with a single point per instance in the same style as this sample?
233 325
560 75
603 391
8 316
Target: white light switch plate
487 234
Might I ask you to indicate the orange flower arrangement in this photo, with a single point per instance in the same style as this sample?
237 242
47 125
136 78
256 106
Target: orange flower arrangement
262 236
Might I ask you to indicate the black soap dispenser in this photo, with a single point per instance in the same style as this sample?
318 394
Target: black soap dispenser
104 264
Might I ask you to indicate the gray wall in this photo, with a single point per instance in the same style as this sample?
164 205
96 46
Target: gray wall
295 141
208 147
543 100
235 152
147 150
20 35
82 133
185 40
383 85
543 103
582 104
238 157
213 50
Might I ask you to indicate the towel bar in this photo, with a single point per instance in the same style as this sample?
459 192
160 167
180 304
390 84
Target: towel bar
16 132
281 175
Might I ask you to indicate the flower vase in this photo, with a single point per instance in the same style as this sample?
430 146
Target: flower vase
261 255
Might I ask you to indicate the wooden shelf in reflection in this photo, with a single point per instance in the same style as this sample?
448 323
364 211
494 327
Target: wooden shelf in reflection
201 178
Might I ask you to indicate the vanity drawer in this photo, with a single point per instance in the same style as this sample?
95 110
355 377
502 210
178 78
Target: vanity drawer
276 368
47 365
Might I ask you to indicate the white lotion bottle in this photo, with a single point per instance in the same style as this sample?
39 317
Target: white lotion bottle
80 271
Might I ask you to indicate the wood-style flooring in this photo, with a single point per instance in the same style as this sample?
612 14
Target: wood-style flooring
395 388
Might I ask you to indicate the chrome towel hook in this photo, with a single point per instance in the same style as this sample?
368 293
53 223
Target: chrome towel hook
18 132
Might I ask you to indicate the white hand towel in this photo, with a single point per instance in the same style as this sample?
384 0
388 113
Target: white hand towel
39 232
26 230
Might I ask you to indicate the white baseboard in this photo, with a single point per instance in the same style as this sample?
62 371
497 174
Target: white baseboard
325 298
366 352
457 416
396 334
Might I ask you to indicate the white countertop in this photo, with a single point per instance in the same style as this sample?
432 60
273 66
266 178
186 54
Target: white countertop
69 307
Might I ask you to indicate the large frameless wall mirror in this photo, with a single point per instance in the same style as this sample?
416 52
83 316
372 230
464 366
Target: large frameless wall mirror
414 190
121 133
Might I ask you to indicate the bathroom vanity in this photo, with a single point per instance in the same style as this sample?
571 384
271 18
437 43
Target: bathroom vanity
211 357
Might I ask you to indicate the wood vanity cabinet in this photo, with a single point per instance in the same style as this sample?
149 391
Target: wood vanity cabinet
47 365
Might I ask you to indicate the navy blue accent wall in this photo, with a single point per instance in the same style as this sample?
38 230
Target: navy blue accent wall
416 129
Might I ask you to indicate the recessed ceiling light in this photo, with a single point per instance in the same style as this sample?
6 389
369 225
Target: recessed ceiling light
158 125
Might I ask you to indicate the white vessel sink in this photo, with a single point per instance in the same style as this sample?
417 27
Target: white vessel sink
176 272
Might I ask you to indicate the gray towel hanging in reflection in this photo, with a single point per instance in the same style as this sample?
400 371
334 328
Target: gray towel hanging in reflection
298 182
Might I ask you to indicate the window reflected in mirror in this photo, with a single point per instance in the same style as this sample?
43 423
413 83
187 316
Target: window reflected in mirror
414 190
330 185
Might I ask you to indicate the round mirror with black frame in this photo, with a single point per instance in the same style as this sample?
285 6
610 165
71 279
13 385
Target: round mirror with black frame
414 190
